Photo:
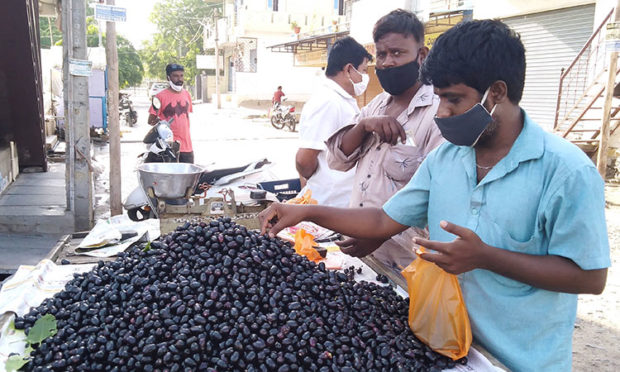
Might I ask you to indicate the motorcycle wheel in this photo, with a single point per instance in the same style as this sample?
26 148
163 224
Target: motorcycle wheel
291 123
139 214
134 117
277 122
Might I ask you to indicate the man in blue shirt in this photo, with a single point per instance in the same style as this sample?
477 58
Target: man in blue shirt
516 212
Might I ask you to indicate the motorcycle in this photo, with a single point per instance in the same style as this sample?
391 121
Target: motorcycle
283 115
162 148
126 110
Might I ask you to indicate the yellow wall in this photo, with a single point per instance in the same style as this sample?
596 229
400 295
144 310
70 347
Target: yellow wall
484 9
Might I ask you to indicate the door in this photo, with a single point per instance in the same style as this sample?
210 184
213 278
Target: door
552 40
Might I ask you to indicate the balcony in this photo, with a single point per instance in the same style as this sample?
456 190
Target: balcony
253 23
224 34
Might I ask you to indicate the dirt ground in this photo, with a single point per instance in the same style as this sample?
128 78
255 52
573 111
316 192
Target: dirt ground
596 340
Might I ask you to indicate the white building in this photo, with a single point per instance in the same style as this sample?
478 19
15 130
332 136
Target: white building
251 70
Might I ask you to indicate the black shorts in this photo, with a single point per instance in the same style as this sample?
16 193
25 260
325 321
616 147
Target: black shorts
186 157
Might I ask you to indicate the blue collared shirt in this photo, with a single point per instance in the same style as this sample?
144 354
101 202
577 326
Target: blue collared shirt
545 197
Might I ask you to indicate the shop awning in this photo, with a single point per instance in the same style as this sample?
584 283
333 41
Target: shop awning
308 44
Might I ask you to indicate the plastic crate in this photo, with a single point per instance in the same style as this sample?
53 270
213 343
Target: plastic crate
284 189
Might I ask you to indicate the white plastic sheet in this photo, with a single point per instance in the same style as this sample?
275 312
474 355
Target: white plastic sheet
105 239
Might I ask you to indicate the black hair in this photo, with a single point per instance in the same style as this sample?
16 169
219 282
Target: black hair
399 21
172 67
477 53
343 52
279 87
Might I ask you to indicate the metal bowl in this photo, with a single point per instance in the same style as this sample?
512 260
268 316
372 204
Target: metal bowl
169 180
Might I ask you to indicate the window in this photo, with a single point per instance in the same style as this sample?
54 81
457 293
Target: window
273 5
339 6
245 56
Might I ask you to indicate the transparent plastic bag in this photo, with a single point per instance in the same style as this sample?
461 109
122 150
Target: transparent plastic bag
437 312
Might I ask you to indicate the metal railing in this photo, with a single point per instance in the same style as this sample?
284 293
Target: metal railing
578 78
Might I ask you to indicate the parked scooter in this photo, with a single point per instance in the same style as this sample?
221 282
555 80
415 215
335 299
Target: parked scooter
283 115
126 110
162 148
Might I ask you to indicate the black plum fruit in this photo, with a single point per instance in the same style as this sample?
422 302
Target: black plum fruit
217 297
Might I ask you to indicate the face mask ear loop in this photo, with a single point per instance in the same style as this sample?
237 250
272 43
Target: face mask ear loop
484 98
354 69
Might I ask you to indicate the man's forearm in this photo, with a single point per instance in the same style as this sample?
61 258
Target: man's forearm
306 169
352 139
361 223
552 273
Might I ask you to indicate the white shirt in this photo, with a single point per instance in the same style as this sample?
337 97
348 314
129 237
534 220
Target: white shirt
329 109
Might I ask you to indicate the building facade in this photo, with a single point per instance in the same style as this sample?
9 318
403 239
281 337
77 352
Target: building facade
250 69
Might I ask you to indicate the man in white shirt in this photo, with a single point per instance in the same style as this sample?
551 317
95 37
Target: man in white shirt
331 107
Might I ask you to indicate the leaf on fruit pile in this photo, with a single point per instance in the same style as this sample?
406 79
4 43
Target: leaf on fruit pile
43 328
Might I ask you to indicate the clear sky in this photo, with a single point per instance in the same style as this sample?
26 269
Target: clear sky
138 26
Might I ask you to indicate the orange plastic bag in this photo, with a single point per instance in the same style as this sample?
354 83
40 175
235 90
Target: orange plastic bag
304 244
306 198
437 312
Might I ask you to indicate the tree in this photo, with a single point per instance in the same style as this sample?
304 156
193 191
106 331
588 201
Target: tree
130 67
179 38
50 34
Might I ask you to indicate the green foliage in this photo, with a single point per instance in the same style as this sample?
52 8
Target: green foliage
179 38
43 328
15 362
147 247
130 67
48 38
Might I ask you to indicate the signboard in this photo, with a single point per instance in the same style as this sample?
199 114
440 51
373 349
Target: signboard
441 22
612 37
80 67
429 39
110 13
315 58
207 62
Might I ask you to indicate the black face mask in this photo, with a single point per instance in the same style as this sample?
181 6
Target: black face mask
396 80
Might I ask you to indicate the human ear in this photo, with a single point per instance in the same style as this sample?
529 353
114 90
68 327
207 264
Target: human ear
498 92
422 54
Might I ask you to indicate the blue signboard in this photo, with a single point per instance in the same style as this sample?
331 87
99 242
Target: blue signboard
110 13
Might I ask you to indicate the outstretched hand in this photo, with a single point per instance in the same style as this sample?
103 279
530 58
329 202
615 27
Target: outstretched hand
465 253
279 216
359 247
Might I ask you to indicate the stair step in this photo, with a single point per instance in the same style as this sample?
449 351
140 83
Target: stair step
585 141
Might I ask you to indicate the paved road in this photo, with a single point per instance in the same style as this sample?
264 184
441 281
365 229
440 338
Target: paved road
221 138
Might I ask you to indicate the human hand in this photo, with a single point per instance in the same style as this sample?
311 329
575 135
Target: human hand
387 128
278 216
463 254
359 247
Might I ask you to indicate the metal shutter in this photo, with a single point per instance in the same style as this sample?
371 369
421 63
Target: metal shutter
552 40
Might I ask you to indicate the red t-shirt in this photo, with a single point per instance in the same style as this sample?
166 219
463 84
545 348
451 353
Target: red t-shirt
177 105
277 96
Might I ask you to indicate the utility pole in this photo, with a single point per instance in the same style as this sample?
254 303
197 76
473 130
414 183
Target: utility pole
49 24
217 60
77 128
114 132
601 159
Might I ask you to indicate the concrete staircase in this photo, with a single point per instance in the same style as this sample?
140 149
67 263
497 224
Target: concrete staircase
33 217
36 203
